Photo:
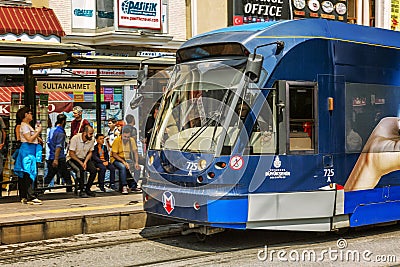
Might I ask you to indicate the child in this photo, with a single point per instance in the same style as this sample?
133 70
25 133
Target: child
101 159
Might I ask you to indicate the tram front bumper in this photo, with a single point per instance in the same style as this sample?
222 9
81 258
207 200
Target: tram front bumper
198 208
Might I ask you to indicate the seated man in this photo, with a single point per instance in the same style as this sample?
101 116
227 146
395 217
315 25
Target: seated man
101 159
125 158
80 159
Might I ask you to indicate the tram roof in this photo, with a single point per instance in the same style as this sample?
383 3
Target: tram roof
298 29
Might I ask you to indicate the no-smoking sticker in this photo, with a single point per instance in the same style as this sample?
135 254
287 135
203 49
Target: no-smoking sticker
236 163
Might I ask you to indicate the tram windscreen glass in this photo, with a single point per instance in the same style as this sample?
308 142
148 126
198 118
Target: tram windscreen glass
213 50
198 110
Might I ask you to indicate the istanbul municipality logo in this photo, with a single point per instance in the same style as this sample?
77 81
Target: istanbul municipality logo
277 162
139 8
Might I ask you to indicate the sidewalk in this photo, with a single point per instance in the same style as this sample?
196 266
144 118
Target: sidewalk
62 215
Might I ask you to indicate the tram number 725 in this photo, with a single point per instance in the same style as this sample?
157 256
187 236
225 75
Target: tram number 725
329 173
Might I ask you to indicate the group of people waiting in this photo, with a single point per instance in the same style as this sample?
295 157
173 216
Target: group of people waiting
84 154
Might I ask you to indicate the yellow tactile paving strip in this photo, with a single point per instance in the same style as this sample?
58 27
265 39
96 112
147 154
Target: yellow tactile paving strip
66 210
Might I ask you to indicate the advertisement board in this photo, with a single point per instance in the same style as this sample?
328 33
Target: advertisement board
145 14
83 14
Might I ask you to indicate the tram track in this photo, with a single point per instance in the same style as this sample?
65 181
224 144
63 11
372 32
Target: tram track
86 241
301 242
184 249
174 261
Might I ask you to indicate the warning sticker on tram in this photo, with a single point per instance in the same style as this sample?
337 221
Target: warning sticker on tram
236 163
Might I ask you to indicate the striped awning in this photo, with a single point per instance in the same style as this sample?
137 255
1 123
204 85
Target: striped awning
5 94
58 101
29 20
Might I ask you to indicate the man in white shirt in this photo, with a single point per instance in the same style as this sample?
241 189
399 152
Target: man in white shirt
80 159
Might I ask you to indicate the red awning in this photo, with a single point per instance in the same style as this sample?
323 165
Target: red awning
29 20
58 101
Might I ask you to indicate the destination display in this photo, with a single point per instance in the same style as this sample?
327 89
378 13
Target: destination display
252 11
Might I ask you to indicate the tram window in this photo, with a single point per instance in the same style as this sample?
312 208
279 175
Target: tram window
263 136
301 118
366 106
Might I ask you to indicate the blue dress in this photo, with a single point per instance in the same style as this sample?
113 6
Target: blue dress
29 154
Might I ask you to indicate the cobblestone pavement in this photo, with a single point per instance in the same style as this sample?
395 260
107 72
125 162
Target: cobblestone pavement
375 247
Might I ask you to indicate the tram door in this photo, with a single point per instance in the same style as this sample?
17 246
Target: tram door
297 117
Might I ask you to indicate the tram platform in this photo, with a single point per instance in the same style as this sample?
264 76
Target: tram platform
63 214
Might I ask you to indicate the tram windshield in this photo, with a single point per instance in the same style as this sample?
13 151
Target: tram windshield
201 98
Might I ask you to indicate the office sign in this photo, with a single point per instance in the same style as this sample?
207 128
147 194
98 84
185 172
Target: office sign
145 14
66 86
251 11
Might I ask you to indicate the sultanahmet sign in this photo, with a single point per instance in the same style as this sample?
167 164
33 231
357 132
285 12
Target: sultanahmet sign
61 86
250 11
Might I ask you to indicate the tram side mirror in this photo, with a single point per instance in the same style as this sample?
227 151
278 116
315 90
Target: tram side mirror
279 47
141 77
253 67
136 102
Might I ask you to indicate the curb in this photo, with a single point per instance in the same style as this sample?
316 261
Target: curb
70 224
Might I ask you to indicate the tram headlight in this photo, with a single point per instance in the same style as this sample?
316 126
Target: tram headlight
220 165
151 160
202 164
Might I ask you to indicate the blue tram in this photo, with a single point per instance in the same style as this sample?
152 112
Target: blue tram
290 125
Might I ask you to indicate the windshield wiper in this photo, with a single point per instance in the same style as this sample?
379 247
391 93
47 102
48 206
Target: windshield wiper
226 96
202 128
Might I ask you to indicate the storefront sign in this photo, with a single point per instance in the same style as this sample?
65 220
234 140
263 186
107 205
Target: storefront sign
144 14
89 72
395 15
78 97
60 86
154 54
89 97
108 98
118 97
83 14
108 90
250 11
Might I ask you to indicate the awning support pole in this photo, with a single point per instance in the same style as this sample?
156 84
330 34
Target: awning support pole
98 101
29 91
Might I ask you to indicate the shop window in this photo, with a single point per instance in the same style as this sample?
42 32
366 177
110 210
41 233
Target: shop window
352 11
105 14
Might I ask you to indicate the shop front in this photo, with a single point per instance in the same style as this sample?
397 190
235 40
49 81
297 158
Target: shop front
117 78
58 101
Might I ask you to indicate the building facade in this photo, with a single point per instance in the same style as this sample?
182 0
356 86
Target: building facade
120 28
